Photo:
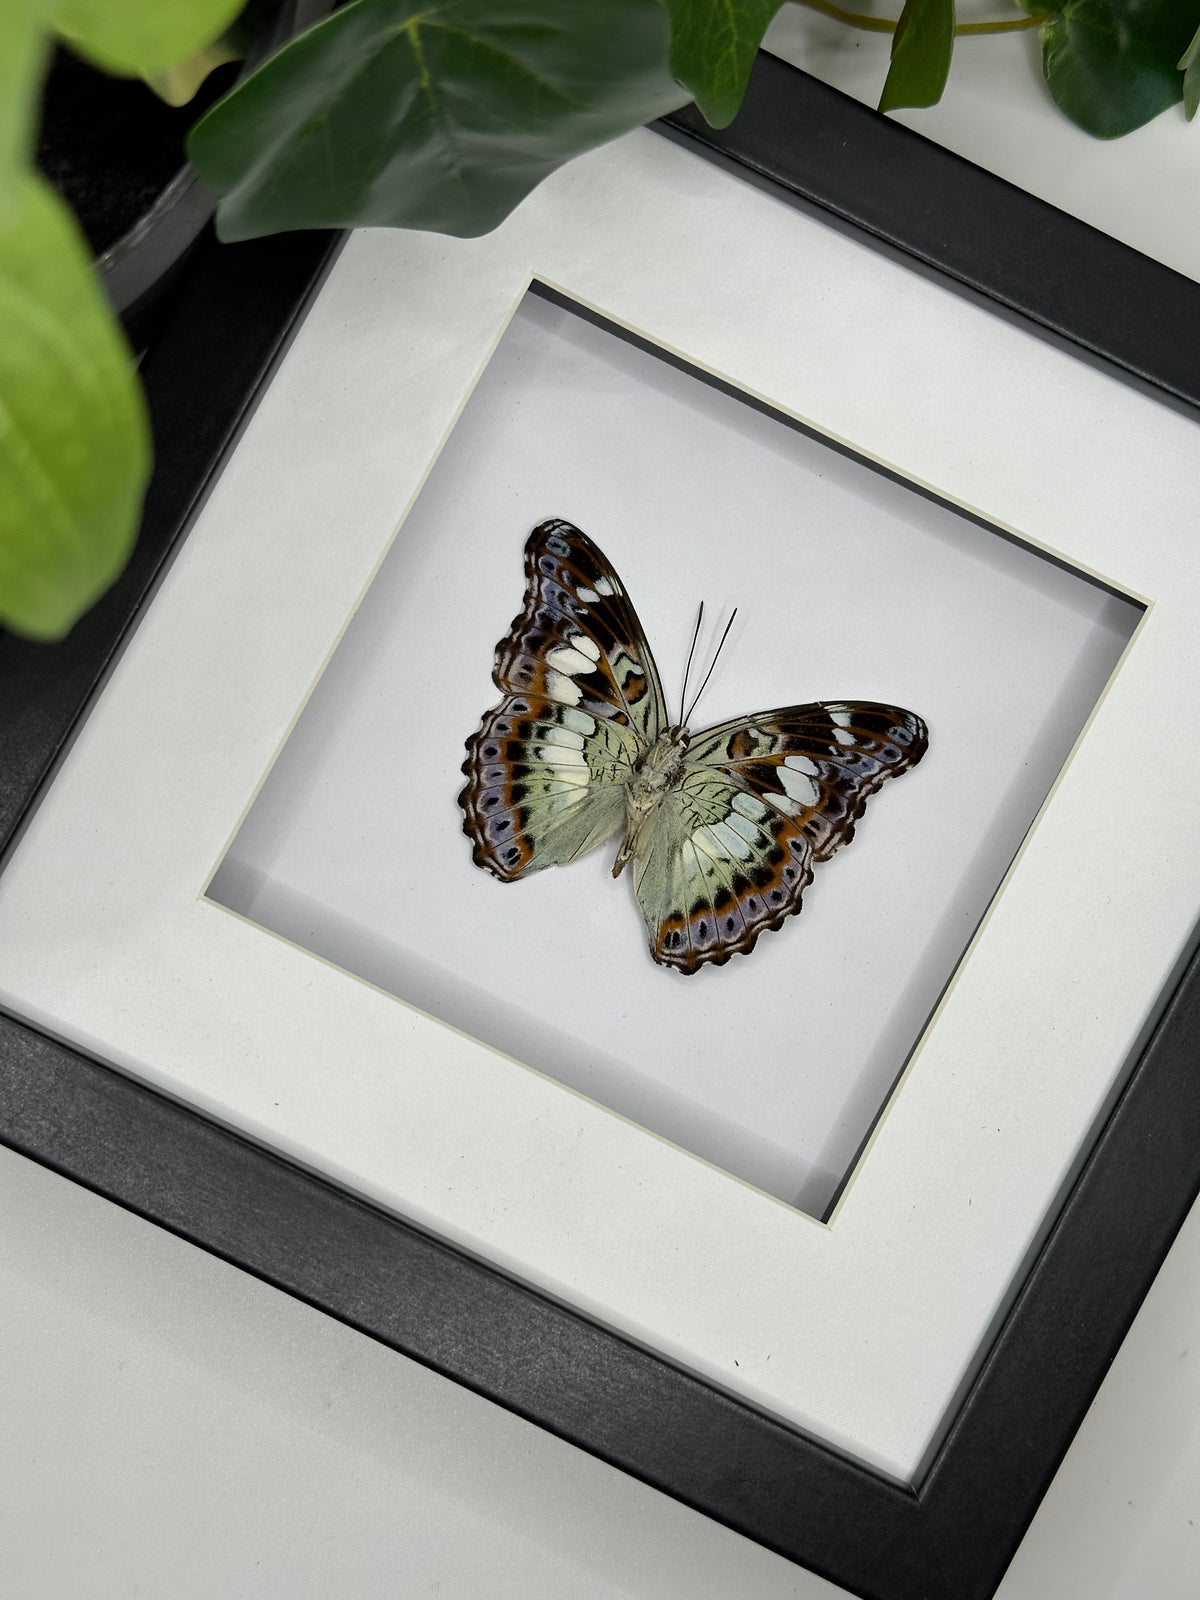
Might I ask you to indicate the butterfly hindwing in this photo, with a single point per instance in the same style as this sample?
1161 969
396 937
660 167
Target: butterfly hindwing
545 784
578 640
760 800
715 867
818 764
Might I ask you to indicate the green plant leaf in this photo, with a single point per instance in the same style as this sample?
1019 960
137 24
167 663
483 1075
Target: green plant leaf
74 447
140 37
921 49
23 53
178 84
1189 65
713 45
1112 65
435 114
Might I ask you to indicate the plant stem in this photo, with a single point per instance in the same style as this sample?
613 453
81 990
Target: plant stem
857 19
1012 25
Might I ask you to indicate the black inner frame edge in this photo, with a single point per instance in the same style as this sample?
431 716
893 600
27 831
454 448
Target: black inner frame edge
822 149
954 1537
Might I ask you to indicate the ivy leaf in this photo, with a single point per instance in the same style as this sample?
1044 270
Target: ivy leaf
1112 65
136 38
1189 65
435 114
921 49
713 45
74 447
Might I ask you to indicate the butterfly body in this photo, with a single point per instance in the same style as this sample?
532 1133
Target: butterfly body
722 827
655 775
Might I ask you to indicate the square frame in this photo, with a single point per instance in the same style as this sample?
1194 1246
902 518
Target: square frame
893 591
952 1535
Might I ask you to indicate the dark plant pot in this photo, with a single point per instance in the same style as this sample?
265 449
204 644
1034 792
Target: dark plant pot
115 152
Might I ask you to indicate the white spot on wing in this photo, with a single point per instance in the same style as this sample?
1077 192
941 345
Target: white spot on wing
588 596
742 827
798 785
577 777
563 689
587 646
801 764
731 843
567 659
789 807
556 755
703 843
750 806
843 737
606 588
563 736
579 720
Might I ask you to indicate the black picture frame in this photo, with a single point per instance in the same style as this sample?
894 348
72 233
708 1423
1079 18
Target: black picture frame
949 1537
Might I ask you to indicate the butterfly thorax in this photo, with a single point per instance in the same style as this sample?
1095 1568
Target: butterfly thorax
655 773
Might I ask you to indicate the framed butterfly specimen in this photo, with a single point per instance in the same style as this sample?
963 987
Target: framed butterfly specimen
723 827
852 1395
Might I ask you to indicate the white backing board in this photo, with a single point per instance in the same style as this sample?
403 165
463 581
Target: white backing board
849 585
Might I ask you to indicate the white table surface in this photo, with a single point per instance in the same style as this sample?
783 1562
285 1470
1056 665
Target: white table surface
173 1428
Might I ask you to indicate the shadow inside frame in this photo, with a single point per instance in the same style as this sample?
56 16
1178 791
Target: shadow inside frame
951 1537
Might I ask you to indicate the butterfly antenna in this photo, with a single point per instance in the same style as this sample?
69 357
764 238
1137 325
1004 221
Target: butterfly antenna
688 714
688 668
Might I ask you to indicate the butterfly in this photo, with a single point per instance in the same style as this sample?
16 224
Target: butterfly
722 827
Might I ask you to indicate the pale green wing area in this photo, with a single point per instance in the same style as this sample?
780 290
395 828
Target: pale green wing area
574 791
545 784
713 867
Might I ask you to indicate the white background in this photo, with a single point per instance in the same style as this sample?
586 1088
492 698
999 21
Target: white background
174 1428
354 847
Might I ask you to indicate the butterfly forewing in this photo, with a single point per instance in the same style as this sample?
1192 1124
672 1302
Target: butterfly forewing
817 764
578 640
546 771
